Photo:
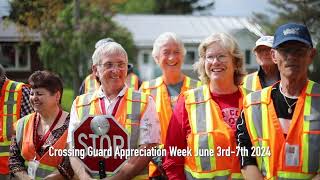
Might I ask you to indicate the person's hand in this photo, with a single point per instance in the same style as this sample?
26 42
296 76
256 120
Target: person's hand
21 175
54 176
317 177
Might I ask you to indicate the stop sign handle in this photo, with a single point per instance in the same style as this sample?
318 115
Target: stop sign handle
102 166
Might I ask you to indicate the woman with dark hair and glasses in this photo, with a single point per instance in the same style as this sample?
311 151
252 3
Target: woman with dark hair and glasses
40 134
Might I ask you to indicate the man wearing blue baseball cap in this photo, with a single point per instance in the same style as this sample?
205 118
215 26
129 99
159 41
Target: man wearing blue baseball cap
280 125
267 73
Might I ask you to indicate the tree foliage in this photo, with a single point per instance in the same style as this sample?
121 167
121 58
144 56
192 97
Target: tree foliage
68 39
163 6
34 14
69 51
306 12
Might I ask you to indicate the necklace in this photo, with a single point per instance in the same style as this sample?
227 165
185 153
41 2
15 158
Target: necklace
285 99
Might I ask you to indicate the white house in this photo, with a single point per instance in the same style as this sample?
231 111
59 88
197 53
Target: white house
192 30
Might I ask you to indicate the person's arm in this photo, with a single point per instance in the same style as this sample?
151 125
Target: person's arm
76 164
176 136
134 166
16 161
248 163
55 175
149 137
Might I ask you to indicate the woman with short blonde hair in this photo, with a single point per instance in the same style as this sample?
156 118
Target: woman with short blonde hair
204 119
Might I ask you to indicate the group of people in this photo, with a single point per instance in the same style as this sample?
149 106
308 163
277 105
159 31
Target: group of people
271 114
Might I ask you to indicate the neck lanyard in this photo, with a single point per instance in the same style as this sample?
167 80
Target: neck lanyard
103 106
39 143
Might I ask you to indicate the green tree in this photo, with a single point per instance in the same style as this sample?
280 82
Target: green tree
306 12
35 14
68 51
68 36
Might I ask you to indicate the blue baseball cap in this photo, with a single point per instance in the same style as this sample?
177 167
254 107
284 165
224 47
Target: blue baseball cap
292 32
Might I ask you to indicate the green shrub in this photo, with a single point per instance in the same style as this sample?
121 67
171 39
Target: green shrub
67 99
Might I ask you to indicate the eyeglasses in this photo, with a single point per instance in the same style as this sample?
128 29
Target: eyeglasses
295 51
110 65
220 58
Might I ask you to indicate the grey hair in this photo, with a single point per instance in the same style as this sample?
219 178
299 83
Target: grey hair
2 71
227 42
106 49
164 38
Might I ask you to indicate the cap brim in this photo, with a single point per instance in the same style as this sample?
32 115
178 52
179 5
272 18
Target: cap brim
262 44
291 39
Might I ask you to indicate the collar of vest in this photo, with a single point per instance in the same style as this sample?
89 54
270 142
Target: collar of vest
88 98
264 96
203 94
154 83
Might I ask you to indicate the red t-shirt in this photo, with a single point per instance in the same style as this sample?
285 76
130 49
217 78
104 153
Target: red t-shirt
179 129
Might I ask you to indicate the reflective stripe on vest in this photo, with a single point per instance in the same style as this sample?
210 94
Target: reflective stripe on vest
208 131
90 84
130 110
10 106
304 130
24 135
251 82
43 170
159 92
133 81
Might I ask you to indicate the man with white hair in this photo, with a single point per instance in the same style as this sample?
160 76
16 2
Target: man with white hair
92 83
268 72
110 65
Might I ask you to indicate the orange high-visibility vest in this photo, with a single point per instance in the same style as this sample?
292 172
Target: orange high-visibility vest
90 84
303 137
133 81
209 131
159 92
130 110
10 107
251 82
48 162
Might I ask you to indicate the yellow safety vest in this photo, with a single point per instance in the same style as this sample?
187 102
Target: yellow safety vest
133 81
90 84
251 82
304 134
209 132
48 164
129 112
10 107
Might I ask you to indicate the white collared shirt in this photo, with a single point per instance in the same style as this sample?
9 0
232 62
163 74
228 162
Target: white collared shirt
149 123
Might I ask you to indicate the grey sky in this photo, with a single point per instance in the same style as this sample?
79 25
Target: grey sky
240 7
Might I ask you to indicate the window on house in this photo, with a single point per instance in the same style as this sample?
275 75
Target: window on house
146 57
14 57
190 57
248 56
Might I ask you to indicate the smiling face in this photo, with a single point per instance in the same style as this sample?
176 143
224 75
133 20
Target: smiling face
112 71
43 100
219 64
293 59
170 57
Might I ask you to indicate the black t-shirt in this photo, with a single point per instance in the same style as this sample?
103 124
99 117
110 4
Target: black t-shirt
281 107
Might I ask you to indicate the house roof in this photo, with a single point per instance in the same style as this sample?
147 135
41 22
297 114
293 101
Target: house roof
9 33
191 29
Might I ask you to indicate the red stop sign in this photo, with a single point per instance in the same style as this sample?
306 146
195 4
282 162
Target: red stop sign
101 133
